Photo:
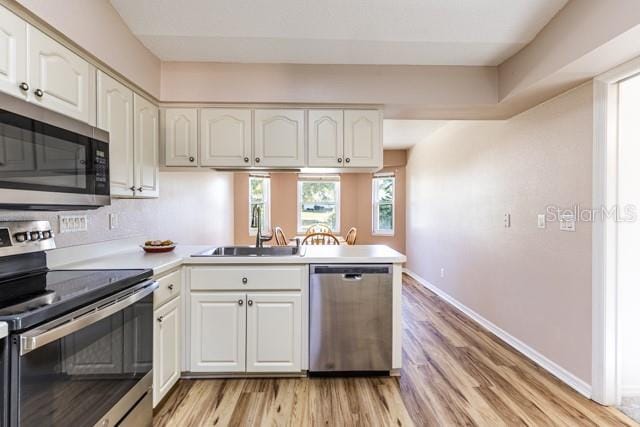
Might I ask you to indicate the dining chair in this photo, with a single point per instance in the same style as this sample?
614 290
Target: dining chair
281 238
351 236
320 239
319 228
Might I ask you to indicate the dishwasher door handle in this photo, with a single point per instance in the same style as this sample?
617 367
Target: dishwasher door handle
352 277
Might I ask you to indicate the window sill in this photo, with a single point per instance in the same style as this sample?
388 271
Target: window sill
383 233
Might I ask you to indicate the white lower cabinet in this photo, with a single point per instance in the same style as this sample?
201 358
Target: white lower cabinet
274 332
166 348
218 329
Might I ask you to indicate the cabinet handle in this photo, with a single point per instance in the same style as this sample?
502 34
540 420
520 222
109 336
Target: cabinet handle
24 86
132 188
240 302
140 189
348 160
246 160
160 319
250 303
39 93
257 159
192 159
170 287
244 280
339 160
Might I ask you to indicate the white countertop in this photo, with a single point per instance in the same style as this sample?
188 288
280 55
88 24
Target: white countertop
135 257
4 329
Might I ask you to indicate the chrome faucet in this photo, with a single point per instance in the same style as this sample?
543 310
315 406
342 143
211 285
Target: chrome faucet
256 222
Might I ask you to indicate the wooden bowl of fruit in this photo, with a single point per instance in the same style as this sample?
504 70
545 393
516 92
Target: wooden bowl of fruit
158 246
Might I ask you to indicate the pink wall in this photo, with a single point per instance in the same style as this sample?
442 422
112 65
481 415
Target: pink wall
355 204
533 283
96 27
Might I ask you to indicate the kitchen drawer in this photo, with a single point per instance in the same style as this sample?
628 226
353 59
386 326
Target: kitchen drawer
242 277
169 288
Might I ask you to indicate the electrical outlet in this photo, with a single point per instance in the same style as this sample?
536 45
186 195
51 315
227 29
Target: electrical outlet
72 223
442 272
113 221
507 220
542 221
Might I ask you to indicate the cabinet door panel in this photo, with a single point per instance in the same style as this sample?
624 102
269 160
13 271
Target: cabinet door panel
13 53
274 337
279 138
326 138
180 132
166 348
60 74
218 328
225 137
146 161
115 115
362 138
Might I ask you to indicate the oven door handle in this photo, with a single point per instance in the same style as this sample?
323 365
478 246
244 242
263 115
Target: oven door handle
32 340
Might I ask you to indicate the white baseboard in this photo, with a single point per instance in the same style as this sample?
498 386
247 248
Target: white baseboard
630 391
554 369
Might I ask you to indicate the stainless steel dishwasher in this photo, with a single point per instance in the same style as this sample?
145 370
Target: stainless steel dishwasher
350 316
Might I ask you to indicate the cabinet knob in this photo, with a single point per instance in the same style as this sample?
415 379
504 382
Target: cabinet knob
39 93
257 159
192 159
240 302
170 287
249 302
140 189
246 160
160 319
339 160
24 86
132 188
244 280
348 160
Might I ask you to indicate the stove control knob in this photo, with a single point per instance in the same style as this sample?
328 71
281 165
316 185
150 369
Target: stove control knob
46 234
21 237
35 235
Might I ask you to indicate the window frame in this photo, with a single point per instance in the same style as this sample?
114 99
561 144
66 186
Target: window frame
266 185
299 227
375 231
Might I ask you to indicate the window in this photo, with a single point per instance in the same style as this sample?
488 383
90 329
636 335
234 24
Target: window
318 202
260 195
384 188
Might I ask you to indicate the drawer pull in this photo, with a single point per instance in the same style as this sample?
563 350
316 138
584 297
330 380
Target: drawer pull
244 280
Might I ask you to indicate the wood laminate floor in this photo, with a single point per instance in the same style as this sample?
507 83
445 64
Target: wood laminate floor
454 373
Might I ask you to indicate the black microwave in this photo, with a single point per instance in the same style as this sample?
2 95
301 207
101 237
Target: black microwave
49 161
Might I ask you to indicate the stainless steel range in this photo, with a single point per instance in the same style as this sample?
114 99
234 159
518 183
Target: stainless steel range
80 344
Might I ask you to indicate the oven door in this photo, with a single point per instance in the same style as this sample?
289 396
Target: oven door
84 369
48 167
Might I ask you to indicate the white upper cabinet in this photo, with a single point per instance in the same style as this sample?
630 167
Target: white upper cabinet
225 137
362 138
115 115
59 79
180 131
279 138
13 54
146 161
326 138
274 332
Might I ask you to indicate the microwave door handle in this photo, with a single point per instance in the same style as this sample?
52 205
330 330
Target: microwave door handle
32 340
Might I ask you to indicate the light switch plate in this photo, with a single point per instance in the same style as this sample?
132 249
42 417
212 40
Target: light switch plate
113 221
507 220
542 221
72 223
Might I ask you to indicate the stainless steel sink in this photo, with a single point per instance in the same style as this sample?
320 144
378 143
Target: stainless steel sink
252 251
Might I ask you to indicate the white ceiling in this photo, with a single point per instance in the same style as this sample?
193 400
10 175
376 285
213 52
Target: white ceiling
403 134
420 32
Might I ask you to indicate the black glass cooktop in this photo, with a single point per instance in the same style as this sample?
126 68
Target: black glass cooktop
38 297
